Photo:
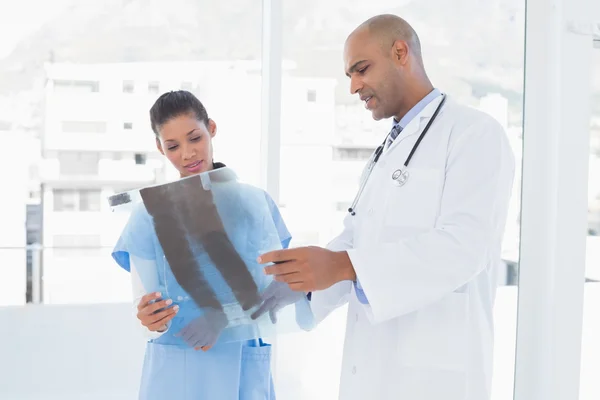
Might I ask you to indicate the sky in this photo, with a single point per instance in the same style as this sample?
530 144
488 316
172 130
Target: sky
19 18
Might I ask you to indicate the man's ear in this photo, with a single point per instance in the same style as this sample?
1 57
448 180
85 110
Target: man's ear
400 50
159 146
212 128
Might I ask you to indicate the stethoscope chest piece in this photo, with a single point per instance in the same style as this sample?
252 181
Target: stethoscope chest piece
400 176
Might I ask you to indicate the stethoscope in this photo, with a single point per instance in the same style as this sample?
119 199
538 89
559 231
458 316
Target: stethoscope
399 176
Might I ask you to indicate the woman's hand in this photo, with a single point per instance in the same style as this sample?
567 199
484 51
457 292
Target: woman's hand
202 333
156 315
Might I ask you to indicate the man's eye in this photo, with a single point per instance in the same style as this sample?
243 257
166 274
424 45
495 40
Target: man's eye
362 70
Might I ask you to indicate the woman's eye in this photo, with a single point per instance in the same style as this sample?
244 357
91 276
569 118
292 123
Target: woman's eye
195 139
171 148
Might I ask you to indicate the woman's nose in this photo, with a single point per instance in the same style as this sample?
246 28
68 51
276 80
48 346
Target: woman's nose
188 153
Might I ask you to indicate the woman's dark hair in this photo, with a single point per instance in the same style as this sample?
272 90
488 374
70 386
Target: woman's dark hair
174 104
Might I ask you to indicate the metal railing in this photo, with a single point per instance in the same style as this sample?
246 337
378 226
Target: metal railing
32 265
34 262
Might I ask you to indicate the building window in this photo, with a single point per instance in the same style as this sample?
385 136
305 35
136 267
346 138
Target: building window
69 86
78 163
128 125
77 200
153 87
352 153
128 86
65 200
84 127
89 200
140 159
311 96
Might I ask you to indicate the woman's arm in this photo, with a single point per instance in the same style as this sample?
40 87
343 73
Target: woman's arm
136 254
145 307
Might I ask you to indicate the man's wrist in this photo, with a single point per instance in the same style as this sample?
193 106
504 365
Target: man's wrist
345 267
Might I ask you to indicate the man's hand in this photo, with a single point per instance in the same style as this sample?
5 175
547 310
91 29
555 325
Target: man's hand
306 269
155 315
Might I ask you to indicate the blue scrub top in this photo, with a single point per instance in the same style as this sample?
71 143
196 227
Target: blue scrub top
178 372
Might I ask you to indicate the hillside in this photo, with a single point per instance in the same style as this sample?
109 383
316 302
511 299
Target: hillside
471 56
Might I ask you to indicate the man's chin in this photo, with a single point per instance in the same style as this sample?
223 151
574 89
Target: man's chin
377 116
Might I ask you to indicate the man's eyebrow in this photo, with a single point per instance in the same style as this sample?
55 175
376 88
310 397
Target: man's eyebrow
354 67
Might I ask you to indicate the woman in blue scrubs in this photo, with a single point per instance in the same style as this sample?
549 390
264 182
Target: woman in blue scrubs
173 366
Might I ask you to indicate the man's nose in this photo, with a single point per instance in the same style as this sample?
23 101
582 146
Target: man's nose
355 85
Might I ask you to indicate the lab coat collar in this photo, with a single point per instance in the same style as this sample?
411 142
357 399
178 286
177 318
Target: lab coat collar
418 122
413 112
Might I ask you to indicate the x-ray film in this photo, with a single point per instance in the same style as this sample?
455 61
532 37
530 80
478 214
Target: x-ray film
197 240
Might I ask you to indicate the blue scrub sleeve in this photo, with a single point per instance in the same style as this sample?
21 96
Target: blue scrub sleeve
282 230
284 234
137 239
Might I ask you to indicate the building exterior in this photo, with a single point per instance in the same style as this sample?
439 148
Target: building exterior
97 141
13 174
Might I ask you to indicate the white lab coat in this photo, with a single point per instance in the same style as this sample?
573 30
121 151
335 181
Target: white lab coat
426 255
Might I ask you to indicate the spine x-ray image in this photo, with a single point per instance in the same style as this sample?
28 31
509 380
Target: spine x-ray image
193 215
198 239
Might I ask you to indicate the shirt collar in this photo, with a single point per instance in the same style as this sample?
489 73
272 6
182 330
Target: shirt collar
413 112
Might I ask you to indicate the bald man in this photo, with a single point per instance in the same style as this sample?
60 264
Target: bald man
418 255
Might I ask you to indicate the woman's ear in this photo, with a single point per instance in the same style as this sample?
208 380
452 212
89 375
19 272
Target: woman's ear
159 146
212 128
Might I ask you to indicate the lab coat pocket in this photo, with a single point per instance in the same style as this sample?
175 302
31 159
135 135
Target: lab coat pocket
416 202
255 373
437 336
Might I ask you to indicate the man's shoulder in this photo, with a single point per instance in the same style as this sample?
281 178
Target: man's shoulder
466 115
466 121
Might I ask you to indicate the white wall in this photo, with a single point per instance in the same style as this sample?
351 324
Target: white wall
95 352
69 352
